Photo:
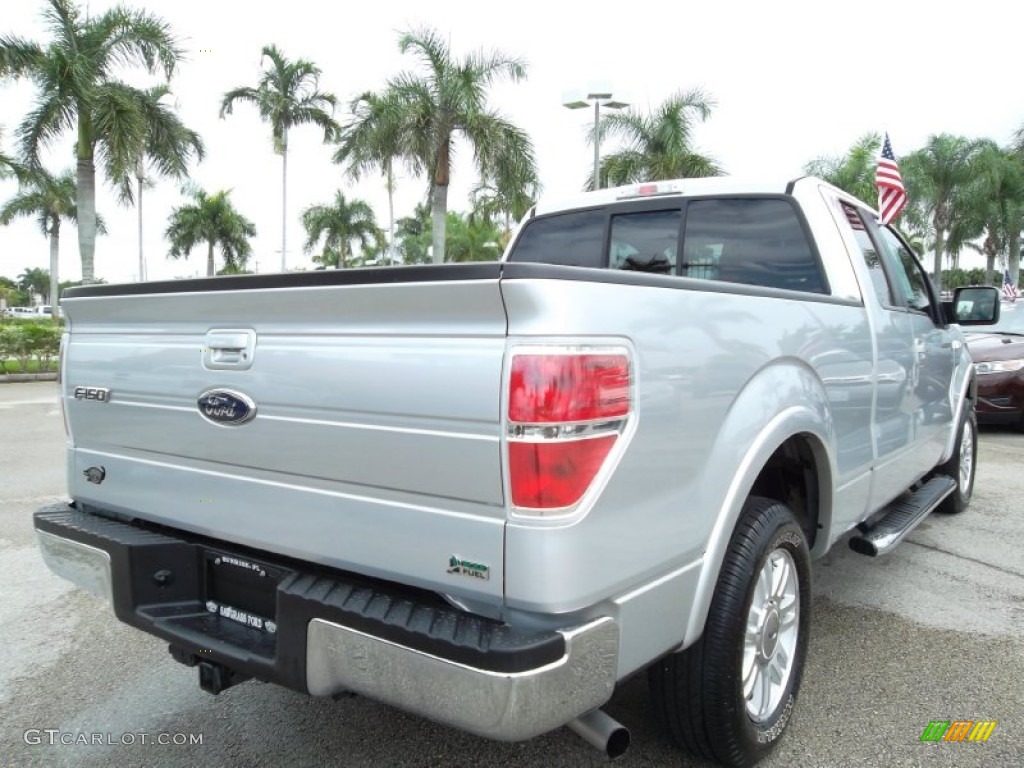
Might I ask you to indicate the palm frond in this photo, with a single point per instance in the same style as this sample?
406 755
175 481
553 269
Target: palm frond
18 57
44 123
121 131
312 115
244 94
132 37
168 145
427 45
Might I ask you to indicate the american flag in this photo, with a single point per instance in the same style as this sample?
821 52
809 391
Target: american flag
892 197
1010 292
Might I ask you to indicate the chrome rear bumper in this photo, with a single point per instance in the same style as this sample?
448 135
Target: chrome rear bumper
505 706
81 564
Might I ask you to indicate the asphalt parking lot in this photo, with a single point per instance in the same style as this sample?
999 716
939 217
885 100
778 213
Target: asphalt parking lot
934 631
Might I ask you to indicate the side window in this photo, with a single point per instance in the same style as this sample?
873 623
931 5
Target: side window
645 242
870 255
573 239
750 241
911 280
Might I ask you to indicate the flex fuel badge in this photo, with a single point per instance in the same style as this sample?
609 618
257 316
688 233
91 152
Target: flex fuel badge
468 568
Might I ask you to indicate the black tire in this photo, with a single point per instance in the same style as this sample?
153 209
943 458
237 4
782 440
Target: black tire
697 693
958 500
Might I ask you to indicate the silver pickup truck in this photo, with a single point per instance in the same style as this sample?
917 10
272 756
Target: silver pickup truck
488 493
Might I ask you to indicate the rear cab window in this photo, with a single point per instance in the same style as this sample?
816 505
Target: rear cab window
745 240
645 241
574 239
750 241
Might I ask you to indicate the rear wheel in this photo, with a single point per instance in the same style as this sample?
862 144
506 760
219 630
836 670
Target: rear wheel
730 695
963 463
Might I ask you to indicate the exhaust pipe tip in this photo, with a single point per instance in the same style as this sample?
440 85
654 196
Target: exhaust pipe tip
618 742
600 730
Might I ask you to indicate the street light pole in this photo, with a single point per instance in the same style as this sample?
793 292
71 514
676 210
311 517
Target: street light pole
601 96
140 174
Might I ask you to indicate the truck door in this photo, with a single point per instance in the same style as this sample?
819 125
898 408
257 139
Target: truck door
934 345
895 362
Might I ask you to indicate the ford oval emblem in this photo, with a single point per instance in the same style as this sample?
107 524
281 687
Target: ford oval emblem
224 406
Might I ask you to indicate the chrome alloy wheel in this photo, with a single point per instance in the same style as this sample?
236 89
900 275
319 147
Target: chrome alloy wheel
966 458
769 642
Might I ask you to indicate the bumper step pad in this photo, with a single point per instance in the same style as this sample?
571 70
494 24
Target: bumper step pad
158 586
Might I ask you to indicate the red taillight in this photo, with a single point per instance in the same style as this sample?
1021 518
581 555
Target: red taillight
565 412
549 475
548 389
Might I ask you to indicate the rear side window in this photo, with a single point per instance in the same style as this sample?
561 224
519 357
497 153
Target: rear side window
573 239
749 241
869 254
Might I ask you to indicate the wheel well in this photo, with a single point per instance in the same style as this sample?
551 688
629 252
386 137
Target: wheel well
791 476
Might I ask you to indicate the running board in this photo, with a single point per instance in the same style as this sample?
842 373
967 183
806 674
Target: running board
902 516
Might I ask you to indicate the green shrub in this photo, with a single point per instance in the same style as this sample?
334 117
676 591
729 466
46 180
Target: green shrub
29 341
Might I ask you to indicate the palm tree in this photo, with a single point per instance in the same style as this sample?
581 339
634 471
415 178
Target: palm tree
991 206
659 145
168 149
338 225
1013 258
450 100
49 200
211 220
373 140
287 95
77 90
35 280
936 176
472 239
414 235
504 195
855 171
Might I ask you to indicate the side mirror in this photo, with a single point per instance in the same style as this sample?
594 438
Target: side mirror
975 305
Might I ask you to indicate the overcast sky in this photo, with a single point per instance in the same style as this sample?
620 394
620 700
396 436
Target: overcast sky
792 80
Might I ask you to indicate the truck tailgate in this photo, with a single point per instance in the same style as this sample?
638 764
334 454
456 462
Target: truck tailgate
366 396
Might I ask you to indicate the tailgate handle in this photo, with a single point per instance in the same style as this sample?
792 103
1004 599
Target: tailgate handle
237 343
229 349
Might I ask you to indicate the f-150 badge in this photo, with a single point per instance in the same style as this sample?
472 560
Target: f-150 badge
224 406
99 394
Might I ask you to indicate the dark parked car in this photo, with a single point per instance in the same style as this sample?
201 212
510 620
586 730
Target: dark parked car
998 354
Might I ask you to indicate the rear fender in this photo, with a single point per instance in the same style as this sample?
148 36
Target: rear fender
784 399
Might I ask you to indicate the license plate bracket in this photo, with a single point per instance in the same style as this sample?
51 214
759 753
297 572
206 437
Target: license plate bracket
241 589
